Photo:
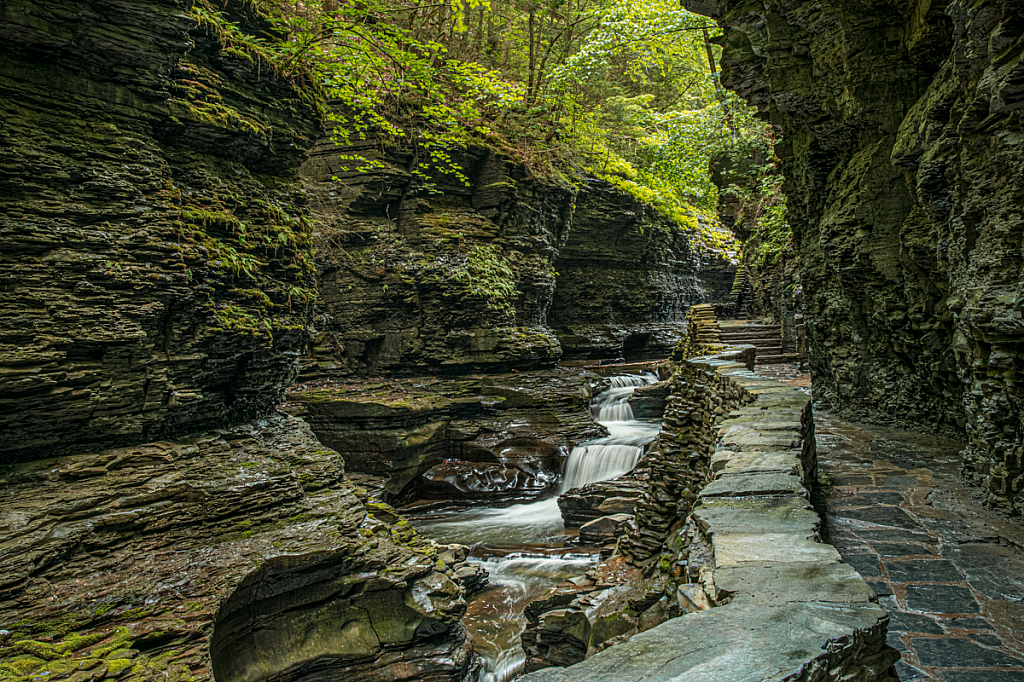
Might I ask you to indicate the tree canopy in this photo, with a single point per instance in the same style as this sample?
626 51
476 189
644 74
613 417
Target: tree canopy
622 90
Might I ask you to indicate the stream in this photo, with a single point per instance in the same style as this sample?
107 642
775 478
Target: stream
525 547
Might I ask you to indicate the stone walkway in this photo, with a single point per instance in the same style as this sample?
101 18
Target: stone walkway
950 572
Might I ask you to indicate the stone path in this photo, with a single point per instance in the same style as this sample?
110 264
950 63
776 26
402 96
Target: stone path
950 572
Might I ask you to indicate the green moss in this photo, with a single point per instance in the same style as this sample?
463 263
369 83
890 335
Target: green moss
42 650
118 665
19 666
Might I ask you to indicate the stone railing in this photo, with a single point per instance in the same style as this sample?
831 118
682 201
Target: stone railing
768 600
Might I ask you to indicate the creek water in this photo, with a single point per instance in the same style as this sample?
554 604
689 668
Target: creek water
525 547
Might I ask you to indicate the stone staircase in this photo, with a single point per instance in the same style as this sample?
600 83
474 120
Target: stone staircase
739 296
703 321
766 338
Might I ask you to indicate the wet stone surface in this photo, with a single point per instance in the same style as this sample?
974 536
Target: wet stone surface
950 572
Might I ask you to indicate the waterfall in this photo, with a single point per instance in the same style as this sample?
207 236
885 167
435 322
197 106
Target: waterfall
619 452
495 616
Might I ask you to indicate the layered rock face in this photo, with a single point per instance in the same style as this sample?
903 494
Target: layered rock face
626 278
901 143
158 280
239 553
427 274
451 278
156 267
480 438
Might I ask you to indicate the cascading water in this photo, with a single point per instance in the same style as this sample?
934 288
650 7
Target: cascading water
524 547
617 453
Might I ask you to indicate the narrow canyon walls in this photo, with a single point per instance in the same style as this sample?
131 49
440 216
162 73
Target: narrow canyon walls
902 154
157 285
155 268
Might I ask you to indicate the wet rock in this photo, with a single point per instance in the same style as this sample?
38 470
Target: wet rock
648 402
604 530
244 549
471 480
580 617
511 431
580 506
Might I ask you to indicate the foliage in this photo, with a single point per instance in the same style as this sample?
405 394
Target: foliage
487 274
618 89
763 213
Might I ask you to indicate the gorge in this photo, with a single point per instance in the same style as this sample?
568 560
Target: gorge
278 405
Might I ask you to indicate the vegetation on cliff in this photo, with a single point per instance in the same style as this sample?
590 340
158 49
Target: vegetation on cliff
623 91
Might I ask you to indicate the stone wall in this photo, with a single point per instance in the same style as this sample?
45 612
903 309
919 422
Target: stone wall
763 598
626 278
156 271
406 270
900 144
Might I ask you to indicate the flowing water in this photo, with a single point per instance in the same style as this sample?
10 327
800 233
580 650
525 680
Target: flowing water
525 548
617 453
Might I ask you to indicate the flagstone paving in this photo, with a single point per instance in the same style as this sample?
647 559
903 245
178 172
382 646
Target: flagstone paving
949 571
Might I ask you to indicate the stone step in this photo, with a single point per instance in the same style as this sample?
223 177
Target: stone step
732 334
760 345
776 358
760 327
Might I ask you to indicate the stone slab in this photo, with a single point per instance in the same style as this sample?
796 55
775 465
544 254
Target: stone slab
983 676
912 622
747 485
922 571
960 653
794 582
941 599
731 642
881 516
760 463
865 564
779 514
739 550
781 426
750 441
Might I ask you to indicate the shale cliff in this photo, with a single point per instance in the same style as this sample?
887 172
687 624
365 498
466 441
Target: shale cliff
902 137
156 268
157 286
424 272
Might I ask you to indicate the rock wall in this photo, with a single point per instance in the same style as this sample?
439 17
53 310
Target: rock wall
451 278
901 142
156 271
626 277
242 553
431 275
157 280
